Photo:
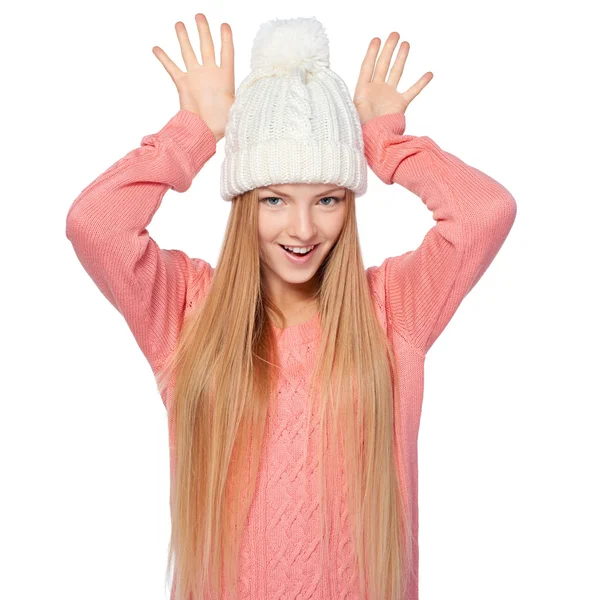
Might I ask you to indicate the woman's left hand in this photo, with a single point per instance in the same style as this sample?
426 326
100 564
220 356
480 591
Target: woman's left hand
374 96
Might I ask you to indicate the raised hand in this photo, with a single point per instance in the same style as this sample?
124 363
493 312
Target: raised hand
374 95
207 89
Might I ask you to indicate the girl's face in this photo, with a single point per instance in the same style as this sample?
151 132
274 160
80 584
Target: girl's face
301 215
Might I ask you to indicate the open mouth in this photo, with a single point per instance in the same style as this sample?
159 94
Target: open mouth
299 254
296 257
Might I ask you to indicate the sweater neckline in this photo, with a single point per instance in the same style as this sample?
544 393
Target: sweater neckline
301 333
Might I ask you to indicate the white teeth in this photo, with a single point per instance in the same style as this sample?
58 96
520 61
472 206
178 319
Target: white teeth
299 250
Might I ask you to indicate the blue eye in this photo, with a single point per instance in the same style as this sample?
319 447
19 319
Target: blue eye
337 200
270 198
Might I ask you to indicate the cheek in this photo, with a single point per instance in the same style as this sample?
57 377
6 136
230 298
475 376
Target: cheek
266 236
334 229
267 228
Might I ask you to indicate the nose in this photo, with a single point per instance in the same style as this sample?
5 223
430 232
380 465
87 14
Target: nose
302 225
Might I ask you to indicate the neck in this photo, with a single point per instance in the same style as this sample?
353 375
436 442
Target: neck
295 314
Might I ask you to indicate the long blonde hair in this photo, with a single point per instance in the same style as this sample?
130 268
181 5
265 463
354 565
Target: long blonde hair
225 364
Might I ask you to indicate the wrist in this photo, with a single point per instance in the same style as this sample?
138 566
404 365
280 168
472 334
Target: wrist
218 136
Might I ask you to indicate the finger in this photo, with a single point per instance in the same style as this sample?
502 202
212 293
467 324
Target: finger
385 57
187 52
172 69
227 51
398 66
207 48
415 90
368 63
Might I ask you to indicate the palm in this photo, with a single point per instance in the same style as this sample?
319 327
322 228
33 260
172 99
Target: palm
379 98
374 94
205 88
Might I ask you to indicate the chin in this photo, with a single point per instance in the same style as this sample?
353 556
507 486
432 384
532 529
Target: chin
297 278
296 274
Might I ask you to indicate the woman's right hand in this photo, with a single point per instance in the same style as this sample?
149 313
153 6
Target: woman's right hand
207 89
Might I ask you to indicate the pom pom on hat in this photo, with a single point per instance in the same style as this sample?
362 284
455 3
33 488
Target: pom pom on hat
284 44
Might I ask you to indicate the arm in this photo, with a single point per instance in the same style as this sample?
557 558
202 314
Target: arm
107 226
473 215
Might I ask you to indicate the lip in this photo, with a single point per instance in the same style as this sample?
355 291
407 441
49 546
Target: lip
298 260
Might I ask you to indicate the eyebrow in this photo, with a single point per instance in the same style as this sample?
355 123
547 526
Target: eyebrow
335 189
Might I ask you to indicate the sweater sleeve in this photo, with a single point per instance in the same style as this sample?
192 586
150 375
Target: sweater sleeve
107 222
473 213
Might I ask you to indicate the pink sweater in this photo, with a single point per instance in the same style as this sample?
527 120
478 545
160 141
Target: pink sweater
416 294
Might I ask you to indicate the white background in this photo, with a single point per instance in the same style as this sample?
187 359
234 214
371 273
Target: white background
508 445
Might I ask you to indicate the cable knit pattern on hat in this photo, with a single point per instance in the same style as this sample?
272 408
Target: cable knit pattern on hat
293 119
415 295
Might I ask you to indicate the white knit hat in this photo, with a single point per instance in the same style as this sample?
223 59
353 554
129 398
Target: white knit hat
293 119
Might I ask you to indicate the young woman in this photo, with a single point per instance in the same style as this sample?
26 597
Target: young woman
292 376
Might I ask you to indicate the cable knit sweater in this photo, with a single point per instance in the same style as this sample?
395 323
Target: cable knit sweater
415 293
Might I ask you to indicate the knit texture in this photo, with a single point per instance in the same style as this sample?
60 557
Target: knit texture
293 119
415 294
